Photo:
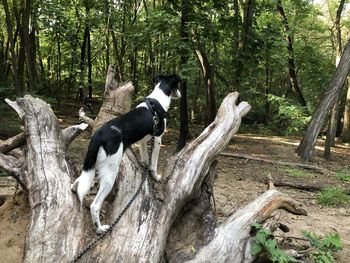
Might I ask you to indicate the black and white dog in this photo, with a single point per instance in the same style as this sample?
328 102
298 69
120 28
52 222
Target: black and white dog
110 141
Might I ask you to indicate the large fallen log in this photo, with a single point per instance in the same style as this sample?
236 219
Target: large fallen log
59 229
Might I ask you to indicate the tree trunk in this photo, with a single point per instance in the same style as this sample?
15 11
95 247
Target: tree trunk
59 230
291 61
184 131
333 118
306 146
208 75
345 134
18 79
82 65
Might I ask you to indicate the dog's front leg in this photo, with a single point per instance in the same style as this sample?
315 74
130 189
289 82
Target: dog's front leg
155 156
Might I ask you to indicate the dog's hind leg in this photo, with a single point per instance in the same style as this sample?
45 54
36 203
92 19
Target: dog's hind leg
83 183
107 169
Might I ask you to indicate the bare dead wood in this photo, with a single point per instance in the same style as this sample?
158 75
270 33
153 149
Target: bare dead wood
306 186
12 143
13 166
70 133
46 175
258 159
236 229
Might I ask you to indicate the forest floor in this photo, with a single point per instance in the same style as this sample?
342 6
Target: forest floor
239 181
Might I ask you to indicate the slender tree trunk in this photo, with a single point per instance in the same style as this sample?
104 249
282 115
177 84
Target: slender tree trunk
291 61
184 131
306 147
18 79
345 134
208 74
82 65
29 29
108 18
333 118
332 129
89 67
247 23
58 90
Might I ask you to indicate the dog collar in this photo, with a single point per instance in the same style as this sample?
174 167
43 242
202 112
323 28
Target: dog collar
155 108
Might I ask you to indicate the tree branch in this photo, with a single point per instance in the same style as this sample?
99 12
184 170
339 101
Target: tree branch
299 165
232 239
12 143
70 133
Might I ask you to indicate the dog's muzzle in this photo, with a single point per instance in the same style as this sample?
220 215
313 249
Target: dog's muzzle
176 94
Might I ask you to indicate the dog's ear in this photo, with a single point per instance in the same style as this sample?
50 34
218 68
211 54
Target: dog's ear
173 80
157 79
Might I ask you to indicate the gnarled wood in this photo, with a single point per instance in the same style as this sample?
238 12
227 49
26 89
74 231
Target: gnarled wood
47 176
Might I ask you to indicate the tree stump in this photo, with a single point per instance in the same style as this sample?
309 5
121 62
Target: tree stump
59 229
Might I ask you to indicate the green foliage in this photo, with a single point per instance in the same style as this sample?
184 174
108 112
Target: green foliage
324 247
144 39
290 118
265 243
333 197
299 172
343 175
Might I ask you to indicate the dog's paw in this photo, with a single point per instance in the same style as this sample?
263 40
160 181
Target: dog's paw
102 229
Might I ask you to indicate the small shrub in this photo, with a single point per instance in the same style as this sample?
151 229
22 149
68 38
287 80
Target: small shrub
324 247
333 197
290 118
266 244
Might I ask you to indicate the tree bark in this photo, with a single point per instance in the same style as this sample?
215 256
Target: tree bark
184 131
208 75
333 118
18 79
291 61
345 134
59 229
306 146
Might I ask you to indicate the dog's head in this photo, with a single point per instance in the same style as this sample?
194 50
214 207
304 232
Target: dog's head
168 84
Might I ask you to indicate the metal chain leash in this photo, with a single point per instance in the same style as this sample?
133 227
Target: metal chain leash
147 170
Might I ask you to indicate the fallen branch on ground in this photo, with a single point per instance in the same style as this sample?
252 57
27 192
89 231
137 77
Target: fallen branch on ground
259 159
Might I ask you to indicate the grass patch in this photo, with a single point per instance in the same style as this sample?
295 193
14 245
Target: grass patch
333 197
299 172
343 175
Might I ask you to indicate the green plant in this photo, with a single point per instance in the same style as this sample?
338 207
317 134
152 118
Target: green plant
266 244
299 172
324 247
333 196
290 118
343 175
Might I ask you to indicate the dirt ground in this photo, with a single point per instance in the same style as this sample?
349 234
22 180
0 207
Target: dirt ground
239 181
